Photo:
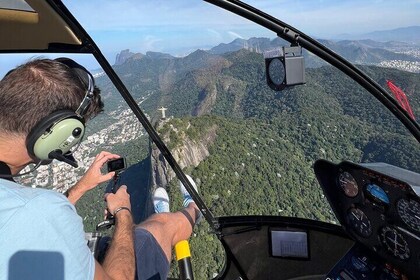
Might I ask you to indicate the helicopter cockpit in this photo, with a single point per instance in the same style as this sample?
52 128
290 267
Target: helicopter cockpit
305 151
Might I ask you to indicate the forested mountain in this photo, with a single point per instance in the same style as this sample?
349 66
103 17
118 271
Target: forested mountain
266 142
193 79
330 117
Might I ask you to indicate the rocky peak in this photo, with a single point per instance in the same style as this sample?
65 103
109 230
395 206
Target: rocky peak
189 153
123 56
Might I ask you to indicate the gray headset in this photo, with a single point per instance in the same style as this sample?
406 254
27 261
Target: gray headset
54 135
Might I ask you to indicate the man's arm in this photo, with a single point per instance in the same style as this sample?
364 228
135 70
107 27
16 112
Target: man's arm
92 177
119 261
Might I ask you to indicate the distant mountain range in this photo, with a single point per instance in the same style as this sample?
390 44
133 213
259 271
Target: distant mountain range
393 40
405 56
409 34
369 51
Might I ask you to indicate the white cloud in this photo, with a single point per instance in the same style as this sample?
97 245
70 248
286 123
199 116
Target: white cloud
215 35
235 35
151 42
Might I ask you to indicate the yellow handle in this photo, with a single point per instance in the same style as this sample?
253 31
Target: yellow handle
182 250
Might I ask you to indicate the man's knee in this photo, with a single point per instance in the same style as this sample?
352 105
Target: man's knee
154 221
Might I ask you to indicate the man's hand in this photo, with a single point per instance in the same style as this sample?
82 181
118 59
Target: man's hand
119 261
92 177
119 199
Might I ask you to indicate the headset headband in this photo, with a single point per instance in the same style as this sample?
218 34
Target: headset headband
86 79
84 105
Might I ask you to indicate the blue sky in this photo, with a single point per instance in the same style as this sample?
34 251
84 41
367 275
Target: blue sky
175 26
181 26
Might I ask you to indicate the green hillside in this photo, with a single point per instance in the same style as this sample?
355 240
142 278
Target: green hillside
261 160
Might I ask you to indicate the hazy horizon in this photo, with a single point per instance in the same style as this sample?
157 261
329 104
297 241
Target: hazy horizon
180 27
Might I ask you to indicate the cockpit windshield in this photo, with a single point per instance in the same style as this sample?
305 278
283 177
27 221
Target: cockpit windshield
199 74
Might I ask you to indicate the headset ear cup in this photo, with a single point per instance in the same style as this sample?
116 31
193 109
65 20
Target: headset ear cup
59 131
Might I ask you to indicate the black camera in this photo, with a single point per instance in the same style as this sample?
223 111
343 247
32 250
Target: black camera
116 165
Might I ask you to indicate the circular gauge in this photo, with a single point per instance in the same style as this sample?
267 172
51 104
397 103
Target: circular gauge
276 71
394 243
377 193
348 184
409 211
359 222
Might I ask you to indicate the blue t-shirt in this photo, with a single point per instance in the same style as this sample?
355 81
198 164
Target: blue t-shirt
41 236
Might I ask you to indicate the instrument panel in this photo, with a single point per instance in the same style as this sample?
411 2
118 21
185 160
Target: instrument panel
377 208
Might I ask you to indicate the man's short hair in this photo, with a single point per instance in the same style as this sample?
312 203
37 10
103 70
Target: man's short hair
36 89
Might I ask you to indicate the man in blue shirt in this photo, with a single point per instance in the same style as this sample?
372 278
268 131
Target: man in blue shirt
44 107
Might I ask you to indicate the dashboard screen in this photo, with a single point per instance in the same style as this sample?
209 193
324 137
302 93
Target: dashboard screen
289 244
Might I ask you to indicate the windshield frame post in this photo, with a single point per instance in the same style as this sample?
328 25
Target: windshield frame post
89 46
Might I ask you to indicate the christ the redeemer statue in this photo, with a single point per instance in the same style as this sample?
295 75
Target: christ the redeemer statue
162 109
